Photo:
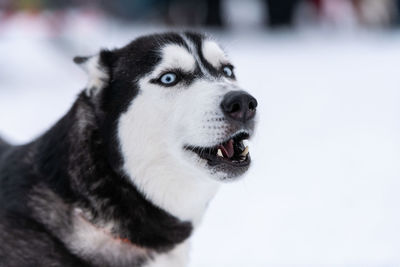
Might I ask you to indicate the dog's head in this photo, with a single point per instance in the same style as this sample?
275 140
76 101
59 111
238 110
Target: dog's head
171 103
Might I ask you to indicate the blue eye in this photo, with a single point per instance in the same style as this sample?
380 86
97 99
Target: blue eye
228 71
168 78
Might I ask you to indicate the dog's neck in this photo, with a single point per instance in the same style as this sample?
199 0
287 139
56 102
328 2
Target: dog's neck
75 168
175 189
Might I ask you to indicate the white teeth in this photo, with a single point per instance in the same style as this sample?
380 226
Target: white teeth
245 143
245 151
219 152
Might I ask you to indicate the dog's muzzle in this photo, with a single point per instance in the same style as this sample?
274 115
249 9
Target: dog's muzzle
232 155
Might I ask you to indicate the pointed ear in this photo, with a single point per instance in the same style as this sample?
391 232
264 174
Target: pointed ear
97 68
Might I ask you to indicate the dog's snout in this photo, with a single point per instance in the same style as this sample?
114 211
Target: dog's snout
239 106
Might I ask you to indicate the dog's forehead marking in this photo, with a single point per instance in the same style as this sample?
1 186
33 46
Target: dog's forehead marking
193 50
213 53
176 56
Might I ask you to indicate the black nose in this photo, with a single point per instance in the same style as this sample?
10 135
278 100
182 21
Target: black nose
239 106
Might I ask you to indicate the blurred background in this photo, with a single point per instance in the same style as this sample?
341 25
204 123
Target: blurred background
324 187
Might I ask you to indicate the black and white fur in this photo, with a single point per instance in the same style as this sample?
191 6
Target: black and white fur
113 183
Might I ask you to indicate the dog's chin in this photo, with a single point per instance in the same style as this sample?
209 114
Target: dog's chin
226 161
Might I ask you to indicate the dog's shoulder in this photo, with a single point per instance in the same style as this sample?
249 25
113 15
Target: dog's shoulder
14 182
3 146
26 243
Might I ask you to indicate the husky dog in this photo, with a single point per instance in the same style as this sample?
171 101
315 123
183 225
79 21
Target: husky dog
125 176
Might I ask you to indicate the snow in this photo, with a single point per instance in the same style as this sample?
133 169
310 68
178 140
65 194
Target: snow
324 187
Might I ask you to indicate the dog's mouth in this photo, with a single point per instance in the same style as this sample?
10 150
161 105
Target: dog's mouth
233 153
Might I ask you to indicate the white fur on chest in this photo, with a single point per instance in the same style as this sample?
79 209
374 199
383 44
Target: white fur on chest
97 243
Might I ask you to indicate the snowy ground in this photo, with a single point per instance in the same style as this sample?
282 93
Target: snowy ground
324 187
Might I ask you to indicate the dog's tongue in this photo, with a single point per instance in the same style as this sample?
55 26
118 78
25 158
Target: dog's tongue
227 149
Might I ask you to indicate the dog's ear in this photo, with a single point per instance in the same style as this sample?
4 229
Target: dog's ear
98 69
